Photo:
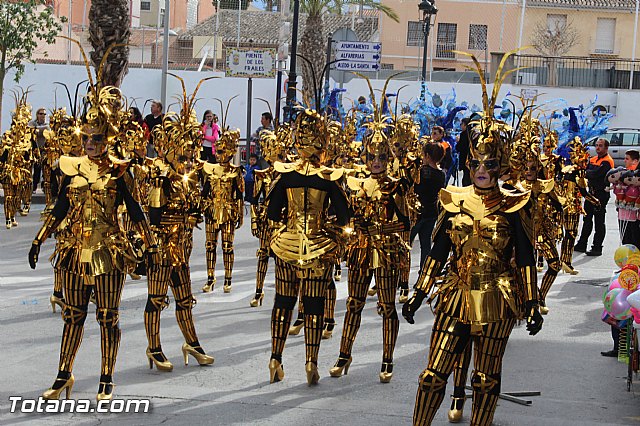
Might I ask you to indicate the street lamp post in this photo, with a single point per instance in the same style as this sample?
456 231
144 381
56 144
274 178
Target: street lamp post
428 9
291 84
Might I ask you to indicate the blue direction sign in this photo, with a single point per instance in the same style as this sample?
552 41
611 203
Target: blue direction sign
357 56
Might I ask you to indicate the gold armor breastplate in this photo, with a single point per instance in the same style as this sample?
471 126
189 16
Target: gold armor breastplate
480 286
221 207
93 242
303 241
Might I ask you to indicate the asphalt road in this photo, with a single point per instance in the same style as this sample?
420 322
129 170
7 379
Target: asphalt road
579 387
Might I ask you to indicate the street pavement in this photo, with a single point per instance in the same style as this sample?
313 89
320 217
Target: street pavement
563 362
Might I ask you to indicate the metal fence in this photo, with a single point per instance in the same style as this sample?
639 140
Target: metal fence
571 71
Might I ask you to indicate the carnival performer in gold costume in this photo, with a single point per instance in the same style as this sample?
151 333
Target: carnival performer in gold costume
17 154
174 209
96 254
377 247
223 205
306 245
483 295
574 189
406 167
272 144
64 138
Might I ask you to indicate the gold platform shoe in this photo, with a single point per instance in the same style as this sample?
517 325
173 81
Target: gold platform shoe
227 286
455 412
276 372
202 359
297 326
208 287
257 300
105 391
386 372
340 367
164 365
404 295
55 393
568 269
312 373
55 300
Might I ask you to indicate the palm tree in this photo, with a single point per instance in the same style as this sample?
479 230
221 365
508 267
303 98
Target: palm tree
312 43
109 23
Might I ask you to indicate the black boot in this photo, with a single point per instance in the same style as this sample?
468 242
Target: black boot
595 251
580 247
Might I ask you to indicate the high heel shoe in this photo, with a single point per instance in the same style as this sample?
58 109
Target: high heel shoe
227 286
340 367
566 268
161 365
276 372
257 300
386 372
52 393
404 295
455 412
55 300
105 391
208 287
8 223
202 359
327 331
543 308
14 223
294 330
373 291
312 373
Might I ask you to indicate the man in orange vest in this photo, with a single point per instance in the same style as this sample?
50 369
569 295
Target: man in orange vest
597 170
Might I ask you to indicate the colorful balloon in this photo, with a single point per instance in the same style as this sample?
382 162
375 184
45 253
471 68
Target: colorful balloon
622 253
634 299
610 298
621 309
628 278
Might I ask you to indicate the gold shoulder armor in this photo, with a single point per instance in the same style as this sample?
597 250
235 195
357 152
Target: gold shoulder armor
354 183
330 174
568 169
70 166
514 200
281 167
208 168
451 195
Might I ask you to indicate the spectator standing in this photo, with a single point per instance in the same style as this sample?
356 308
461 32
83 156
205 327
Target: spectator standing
432 179
40 124
462 148
596 175
154 119
266 123
437 136
210 135
631 159
249 177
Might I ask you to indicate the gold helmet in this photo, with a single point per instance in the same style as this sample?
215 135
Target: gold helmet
490 137
273 148
310 135
405 136
578 154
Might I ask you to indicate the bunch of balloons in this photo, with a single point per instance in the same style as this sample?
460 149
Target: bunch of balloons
621 299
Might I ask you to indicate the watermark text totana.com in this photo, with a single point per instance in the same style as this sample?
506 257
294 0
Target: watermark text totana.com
41 405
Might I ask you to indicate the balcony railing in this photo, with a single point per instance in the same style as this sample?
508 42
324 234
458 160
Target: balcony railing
570 71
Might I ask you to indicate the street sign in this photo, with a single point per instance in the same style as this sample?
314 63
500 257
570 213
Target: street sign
248 62
357 56
357 66
358 46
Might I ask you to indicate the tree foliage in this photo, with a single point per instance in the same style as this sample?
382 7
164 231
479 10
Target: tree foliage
555 38
22 25
312 43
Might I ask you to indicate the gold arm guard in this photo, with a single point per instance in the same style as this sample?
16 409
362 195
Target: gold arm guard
528 280
49 225
428 274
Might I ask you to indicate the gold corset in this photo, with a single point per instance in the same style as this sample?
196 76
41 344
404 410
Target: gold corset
93 242
303 241
480 286
222 206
